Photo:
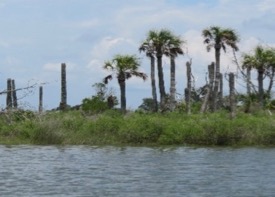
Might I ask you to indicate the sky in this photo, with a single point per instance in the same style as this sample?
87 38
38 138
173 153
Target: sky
36 36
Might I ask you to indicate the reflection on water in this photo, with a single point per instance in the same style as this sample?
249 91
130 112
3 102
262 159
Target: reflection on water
136 171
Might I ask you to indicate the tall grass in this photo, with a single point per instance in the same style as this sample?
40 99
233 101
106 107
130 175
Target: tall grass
113 128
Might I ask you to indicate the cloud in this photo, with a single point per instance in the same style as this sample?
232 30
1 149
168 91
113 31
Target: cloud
95 66
248 44
104 46
109 46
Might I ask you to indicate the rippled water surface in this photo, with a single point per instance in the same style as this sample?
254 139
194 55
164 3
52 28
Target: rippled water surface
136 171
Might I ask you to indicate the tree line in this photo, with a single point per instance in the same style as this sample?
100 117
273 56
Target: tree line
163 42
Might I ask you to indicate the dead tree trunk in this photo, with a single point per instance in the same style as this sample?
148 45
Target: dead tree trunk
208 98
220 98
172 83
232 100
189 87
211 70
248 80
14 95
63 103
40 109
9 94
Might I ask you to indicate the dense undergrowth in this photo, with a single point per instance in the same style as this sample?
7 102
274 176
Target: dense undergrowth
114 128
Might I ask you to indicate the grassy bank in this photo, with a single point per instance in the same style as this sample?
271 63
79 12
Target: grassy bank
113 128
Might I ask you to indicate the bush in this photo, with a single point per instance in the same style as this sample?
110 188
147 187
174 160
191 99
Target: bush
47 133
94 105
139 129
113 128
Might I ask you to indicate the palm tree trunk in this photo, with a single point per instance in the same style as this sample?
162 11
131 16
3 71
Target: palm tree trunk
63 103
40 108
206 99
261 86
217 76
248 81
189 86
122 86
14 95
161 82
220 103
248 90
211 76
172 82
232 95
271 76
153 83
9 94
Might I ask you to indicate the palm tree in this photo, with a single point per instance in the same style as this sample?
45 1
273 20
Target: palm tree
248 67
175 49
219 38
270 71
123 67
148 47
263 60
161 42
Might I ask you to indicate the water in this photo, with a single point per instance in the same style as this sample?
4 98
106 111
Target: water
136 171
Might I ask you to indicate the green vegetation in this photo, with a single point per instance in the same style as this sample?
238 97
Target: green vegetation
102 101
136 128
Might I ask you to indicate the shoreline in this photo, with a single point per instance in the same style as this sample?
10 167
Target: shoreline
139 129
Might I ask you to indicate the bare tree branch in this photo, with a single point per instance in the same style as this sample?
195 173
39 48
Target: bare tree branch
19 89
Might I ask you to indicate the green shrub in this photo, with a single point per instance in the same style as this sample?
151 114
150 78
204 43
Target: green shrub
94 105
47 133
139 129
112 127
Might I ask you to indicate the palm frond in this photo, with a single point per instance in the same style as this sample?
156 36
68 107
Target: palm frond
217 35
223 47
206 41
128 75
216 30
107 79
108 66
140 75
209 47
206 33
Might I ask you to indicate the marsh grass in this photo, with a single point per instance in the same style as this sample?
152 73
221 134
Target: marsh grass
114 128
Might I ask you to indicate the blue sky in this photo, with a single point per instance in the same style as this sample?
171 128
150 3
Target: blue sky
36 36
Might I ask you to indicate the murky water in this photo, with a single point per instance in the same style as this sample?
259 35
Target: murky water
136 171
